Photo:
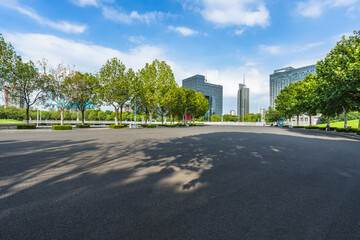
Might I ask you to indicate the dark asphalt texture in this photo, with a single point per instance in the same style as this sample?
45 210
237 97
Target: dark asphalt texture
182 183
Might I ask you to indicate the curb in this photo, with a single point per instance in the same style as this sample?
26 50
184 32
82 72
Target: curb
332 133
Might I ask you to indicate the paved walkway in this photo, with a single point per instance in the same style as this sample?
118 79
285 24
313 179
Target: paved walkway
182 183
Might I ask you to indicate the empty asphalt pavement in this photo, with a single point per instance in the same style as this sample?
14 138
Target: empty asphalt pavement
182 183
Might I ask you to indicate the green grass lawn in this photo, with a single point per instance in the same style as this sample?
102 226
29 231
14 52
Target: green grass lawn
10 121
352 123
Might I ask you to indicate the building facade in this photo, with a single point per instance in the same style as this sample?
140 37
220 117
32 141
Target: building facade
212 92
284 76
243 100
232 112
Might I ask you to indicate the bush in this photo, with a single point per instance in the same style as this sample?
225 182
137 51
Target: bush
116 126
358 132
167 125
61 127
298 126
26 126
83 126
349 130
148 125
311 127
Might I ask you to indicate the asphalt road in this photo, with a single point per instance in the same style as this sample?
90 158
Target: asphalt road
182 183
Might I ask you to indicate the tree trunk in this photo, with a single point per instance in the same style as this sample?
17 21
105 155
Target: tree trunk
146 116
297 119
82 117
359 123
150 116
27 114
116 116
310 120
328 124
62 116
162 117
121 110
345 117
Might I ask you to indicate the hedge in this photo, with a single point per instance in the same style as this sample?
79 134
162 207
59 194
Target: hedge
83 126
148 125
116 126
350 130
26 126
61 127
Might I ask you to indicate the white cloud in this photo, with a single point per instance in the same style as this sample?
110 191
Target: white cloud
232 12
314 8
84 3
123 17
270 49
63 26
183 30
239 32
137 39
86 57
286 49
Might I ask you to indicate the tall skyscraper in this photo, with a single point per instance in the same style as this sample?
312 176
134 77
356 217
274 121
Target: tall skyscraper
284 76
243 97
212 92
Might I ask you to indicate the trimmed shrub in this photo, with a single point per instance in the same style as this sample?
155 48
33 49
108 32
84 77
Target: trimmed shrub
83 126
298 126
26 126
311 127
199 123
61 127
148 125
348 130
116 126
358 132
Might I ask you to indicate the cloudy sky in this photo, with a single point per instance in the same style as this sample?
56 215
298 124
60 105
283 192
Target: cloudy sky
221 39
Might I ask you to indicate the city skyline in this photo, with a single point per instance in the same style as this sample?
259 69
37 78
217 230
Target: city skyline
245 37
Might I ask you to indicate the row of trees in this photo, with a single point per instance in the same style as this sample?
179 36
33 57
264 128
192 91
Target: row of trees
150 90
333 90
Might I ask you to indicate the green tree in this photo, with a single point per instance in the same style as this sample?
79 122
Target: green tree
215 118
8 61
28 84
85 86
341 69
272 115
60 90
286 101
201 106
115 85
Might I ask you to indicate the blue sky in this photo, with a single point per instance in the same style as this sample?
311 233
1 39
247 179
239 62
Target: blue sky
222 39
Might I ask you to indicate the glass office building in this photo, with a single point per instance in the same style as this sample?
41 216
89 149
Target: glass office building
212 92
243 97
283 77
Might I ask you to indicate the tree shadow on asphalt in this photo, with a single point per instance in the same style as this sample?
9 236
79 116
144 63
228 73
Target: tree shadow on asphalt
207 186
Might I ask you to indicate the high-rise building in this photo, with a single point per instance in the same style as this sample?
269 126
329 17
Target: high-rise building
212 92
243 97
284 76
